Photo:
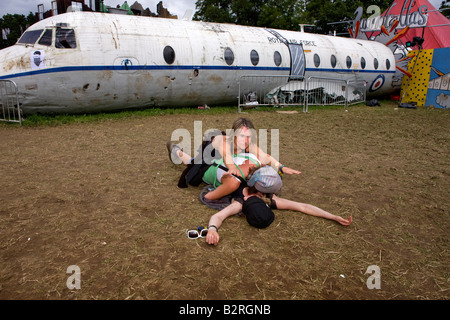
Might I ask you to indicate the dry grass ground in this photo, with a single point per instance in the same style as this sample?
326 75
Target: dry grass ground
103 196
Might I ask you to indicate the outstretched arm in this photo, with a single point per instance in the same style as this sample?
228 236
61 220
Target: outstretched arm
284 204
267 159
216 220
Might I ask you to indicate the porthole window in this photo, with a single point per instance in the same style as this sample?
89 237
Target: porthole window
388 64
333 61
169 54
363 63
375 63
316 60
229 56
254 57
349 62
277 58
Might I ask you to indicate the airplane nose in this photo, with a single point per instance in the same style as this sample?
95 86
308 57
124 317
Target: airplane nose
2 65
9 93
8 63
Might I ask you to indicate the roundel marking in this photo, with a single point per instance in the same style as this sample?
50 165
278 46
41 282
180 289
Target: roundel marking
377 83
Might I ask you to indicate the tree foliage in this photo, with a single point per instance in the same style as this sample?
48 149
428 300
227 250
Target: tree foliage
285 14
16 24
445 8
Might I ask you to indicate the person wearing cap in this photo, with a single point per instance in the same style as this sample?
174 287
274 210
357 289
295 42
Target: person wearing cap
264 182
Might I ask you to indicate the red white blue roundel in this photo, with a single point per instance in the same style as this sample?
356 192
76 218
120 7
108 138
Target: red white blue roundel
377 83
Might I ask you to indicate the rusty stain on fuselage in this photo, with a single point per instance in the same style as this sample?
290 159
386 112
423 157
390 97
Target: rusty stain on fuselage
215 78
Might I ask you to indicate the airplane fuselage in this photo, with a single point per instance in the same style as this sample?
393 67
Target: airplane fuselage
88 62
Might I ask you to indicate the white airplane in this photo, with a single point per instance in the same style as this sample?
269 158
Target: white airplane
88 62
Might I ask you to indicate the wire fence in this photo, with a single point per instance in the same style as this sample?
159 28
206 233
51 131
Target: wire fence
9 102
282 91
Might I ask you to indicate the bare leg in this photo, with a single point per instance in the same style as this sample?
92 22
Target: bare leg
284 204
176 152
184 157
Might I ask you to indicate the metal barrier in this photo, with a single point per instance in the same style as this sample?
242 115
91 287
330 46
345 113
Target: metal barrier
328 91
281 91
357 92
277 91
9 102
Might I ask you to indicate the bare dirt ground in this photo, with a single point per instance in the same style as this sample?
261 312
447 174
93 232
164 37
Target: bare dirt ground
103 196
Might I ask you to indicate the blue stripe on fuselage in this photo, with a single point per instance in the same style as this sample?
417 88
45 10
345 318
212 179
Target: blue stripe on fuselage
185 67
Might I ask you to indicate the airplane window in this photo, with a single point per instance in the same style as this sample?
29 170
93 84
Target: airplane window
169 54
277 58
349 62
229 56
65 38
46 39
254 57
30 37
375 63
388 64
316 60
333 61
363 63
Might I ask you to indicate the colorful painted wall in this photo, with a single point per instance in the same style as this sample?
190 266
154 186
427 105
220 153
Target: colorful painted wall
429 85
439 86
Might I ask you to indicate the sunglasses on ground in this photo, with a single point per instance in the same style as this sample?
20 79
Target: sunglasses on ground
200 232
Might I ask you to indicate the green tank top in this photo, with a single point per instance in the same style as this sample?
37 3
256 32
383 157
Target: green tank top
210 176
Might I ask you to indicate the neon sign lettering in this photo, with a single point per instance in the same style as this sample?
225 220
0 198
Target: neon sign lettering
416 19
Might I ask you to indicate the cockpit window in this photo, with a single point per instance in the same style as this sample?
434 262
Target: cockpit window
65 38
30 37
46 39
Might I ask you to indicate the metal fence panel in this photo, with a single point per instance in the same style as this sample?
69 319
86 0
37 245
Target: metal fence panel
357 92
9 102
326 91
281 91
277 91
